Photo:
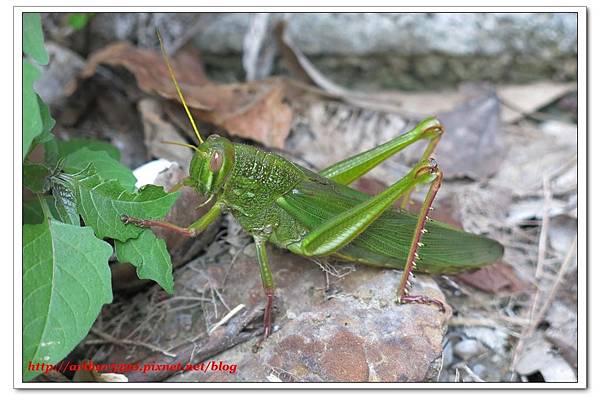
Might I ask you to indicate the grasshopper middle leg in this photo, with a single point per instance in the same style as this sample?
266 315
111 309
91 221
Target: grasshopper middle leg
267 282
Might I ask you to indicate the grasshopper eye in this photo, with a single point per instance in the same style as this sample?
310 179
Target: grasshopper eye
216 161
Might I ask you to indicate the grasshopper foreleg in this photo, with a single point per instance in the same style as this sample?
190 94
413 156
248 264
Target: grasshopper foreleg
190 231
416 244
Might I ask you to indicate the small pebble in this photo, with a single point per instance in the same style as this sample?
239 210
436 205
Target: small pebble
466 349
250 250
480 370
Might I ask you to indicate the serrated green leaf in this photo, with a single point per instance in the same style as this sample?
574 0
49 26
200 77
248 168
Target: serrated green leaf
150 257
56 150
33 38
106 167
34 177
103 203
66 280
32 119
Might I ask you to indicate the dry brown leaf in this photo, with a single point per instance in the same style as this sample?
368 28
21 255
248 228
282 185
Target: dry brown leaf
157 129
473 144
496 278
254 110
521 100
151 72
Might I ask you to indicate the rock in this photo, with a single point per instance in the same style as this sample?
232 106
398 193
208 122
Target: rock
538 356
468 348
480 370
565 133
563 230
401 50
494 339
562 331
357 333
363 34
63 67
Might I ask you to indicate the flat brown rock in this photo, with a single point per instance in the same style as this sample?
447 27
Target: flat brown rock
351 332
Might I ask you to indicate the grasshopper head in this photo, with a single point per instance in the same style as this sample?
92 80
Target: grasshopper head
211 165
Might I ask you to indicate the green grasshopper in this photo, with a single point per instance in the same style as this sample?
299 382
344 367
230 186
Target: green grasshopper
318 214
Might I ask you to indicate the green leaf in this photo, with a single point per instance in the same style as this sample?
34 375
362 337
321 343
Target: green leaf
33 38
150 257
103 203
47 124
106 167
34 177
79 20
56 150
32 119
32 212
66 280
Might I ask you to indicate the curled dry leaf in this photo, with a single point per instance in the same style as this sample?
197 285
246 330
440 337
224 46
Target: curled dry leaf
254 110
151 72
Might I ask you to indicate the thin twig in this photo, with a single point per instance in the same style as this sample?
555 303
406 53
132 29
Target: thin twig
544 230
561 273
226 318
535 321
483 322
107 338
536 115
233 260
181 298
472 374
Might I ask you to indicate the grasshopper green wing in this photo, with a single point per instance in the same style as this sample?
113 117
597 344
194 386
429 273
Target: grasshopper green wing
445 250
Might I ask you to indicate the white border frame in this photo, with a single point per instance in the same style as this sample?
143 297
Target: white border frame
581 190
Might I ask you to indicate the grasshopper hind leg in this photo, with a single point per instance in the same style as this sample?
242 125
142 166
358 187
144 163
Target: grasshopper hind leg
403 295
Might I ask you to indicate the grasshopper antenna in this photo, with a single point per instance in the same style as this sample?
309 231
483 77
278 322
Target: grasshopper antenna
179 92
187 145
